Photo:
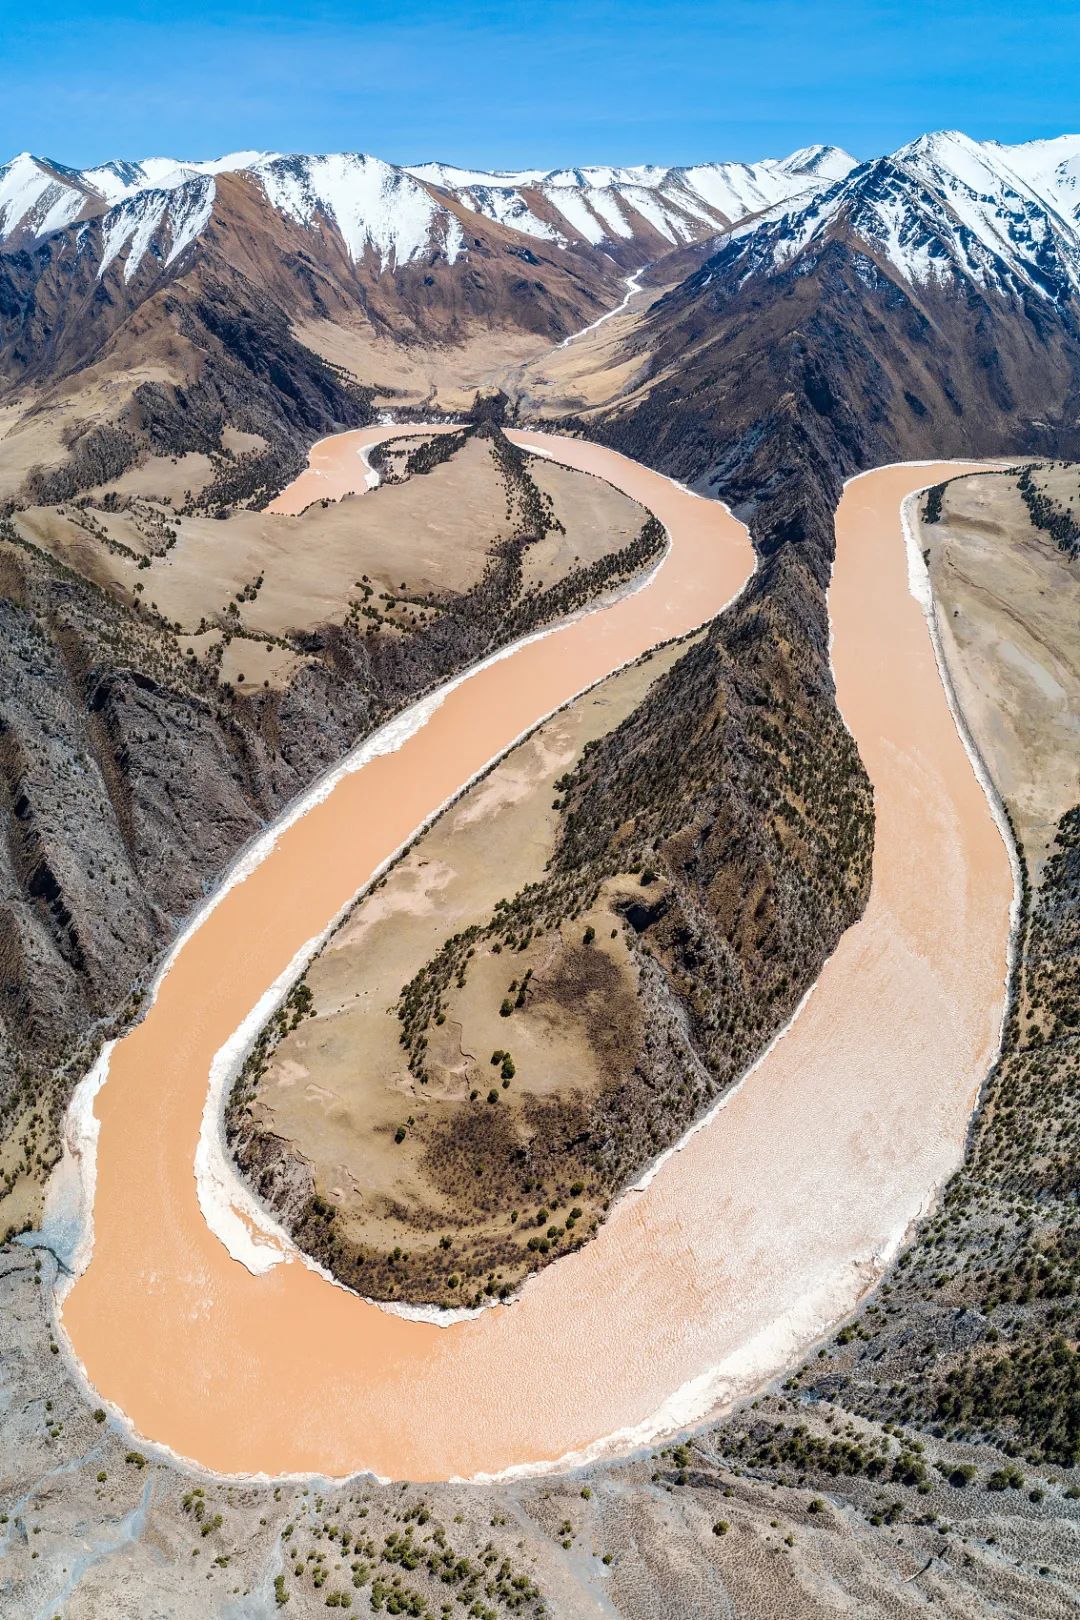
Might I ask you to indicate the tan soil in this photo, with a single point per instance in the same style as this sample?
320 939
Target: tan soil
443 377
32 429
339 1085
173 478
594 517
161 477
434 534
745 1246
593 370
247 663
1008 607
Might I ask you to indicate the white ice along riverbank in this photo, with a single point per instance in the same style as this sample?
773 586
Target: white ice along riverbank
704 1397
232 1213
820 1311
920 588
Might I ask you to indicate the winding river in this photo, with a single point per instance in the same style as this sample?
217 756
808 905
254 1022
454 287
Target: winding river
743 1247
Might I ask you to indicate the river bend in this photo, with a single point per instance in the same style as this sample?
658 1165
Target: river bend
743 1248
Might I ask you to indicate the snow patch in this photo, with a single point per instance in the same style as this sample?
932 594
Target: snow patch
508 207
34 199
374 206
160 222
582 222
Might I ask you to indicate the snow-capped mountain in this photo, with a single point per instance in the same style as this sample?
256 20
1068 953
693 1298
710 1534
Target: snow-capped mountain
400 213
1051 168
159 222
38 196
344 242
827 162
925 303
950 263
376 207
943 209
603 204
940 208
117 180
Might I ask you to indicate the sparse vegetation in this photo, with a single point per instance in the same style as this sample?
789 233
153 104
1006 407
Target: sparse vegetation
764 808
1045 514
133 715
1015 1280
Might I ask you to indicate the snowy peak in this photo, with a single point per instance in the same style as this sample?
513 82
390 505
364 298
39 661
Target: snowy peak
157 225
397 214
118 180
375 207
599 204
944 209
37 197
827 162
735 190
1051 168
950 161
599 177
451 177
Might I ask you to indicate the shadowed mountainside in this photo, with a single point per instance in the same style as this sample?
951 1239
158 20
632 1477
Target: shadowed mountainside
132 770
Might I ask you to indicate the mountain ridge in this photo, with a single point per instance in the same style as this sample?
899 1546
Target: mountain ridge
39 195
956 260
941 205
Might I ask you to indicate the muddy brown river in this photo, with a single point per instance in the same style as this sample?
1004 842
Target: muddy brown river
743 1247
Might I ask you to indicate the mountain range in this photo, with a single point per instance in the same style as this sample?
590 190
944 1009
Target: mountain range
152 304
924 303
996 204
398 213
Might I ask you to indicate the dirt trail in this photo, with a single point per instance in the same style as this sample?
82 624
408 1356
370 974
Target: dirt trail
745 1245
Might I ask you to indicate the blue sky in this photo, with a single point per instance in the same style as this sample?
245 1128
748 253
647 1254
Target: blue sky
545 82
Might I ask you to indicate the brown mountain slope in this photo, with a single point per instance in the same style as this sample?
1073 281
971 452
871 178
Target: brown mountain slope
883 370
170 684
170 353
898 314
